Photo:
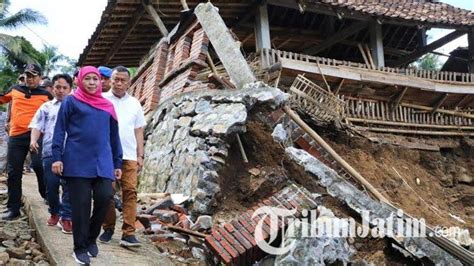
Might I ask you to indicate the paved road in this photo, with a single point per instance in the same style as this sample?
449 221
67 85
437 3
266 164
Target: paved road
58 246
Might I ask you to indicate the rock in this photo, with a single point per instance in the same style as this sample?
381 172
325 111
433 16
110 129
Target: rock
18 253
203 106
6 234
315 250
9 243
465 178
4 257
254 171
279 134
36 252
166 216
160 204
203 222
187 108
198 253
25 237
17 262
185 121
39 258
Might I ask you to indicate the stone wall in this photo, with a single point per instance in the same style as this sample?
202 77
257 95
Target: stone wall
187 140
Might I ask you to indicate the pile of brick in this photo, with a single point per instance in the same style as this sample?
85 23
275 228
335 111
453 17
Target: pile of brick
233 243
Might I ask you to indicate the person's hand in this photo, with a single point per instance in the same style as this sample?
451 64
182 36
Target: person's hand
139 163
34 146
57 168
118 174
7 127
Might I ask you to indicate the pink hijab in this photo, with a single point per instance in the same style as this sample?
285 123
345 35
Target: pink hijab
95 100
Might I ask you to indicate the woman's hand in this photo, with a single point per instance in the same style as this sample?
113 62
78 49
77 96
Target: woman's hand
57 168
118 174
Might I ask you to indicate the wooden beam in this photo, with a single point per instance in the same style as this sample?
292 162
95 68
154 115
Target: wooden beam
124 34
335 38
461 101
428 48
470 58
155 17
262 28
439 102
399 98
376 44
248 13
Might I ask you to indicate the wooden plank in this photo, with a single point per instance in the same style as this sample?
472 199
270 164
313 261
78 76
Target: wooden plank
428 48
403 124
155 18
417 132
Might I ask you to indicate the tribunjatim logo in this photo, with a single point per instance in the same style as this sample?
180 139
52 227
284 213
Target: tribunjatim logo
396 225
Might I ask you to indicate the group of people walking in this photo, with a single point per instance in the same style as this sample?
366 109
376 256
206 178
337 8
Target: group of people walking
87 132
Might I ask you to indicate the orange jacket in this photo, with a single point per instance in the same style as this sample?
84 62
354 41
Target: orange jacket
25 102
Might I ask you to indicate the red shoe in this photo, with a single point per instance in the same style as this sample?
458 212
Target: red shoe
66 226
53 220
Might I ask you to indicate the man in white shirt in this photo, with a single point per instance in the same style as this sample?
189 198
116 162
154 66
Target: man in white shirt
131 122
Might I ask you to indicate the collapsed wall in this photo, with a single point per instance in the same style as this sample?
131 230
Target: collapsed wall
188 140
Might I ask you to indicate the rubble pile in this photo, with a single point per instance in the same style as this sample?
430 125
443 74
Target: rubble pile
165 221
18 243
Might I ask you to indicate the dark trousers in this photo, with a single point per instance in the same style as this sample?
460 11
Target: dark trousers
86 228
18 147
63 207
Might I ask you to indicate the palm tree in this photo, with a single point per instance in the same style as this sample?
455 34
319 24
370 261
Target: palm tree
51 58
13 46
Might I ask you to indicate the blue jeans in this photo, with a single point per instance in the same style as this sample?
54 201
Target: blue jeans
53 182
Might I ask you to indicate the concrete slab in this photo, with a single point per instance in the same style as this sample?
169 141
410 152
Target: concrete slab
58 246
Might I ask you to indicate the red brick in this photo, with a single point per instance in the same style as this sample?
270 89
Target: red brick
228 247
230 238
217 248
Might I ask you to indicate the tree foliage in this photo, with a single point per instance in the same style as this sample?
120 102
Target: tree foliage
428 62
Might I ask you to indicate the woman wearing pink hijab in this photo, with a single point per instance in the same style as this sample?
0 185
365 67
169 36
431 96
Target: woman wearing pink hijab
89 159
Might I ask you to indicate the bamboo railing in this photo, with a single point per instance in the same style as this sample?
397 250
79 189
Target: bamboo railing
272 56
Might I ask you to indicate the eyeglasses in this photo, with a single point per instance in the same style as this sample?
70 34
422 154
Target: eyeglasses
28 94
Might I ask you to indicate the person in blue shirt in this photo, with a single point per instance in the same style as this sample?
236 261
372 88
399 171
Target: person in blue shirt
43 124
89 158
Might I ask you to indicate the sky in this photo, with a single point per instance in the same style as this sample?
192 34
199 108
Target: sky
71 24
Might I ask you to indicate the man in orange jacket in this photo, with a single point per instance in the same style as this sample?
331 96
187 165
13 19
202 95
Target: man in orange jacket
25 100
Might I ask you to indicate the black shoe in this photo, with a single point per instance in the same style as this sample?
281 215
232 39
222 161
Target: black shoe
81 257
10 216
106 236
93 250
130 241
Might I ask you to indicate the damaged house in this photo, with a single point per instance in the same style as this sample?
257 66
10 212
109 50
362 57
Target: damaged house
300 105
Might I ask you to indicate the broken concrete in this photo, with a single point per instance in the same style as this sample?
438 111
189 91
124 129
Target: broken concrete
225 46
359 201
187 140
319 250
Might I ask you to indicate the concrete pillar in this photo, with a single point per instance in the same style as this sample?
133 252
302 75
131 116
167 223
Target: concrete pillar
376 44
262 28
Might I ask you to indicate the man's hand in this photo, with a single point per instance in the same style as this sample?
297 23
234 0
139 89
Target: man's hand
139 163
57 168
118 174
34 146
7 127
